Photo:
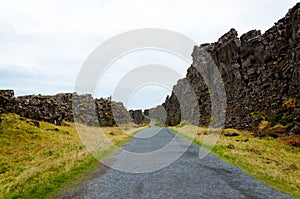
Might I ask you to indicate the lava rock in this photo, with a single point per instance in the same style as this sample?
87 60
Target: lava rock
295 130
259 72
231 134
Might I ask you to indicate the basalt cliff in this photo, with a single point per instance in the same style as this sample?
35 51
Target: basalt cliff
69 107
260 74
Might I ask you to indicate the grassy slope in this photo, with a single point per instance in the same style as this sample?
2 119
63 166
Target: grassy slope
36 161
275 163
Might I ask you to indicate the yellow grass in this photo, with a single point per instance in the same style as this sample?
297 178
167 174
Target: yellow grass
274 162
29 155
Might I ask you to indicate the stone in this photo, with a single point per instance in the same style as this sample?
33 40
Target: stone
231 134
146 112
35 123
54 109
137 116
7 93
52 129
295 130
260 73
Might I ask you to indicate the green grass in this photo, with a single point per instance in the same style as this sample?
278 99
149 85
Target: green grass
268 160
49 186
36 162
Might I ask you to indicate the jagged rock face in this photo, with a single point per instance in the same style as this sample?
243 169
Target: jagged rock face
158 113
5 100
102 112
172 108
146 112
111 113
137 116
45 108
85 109
261 75
7 93
54 109
180 105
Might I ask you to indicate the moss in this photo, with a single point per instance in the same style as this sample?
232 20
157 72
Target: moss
281 118
182 123
289 103
207 92
83 117
289 126
278 128
286 119
201 108
258 115
275 118
211 120
285 47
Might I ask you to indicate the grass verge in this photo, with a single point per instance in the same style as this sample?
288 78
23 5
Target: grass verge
267 159
37 158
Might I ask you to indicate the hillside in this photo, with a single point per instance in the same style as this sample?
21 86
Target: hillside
39 157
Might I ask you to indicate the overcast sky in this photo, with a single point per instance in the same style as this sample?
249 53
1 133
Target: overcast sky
44 43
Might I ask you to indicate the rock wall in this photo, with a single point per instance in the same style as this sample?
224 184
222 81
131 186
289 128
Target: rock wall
261 75
6 97
138 116
159 114
146 112
54 109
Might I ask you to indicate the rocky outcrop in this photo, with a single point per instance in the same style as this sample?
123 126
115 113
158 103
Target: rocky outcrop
111 113
6 97
45 108
159 114
138 117
260 72
146 112
51 109
65 106
7 93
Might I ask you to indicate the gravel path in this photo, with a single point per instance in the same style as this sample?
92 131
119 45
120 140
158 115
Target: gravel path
187 177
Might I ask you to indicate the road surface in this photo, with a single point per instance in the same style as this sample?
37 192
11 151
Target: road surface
186 177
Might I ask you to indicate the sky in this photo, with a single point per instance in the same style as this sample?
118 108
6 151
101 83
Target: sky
43 44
